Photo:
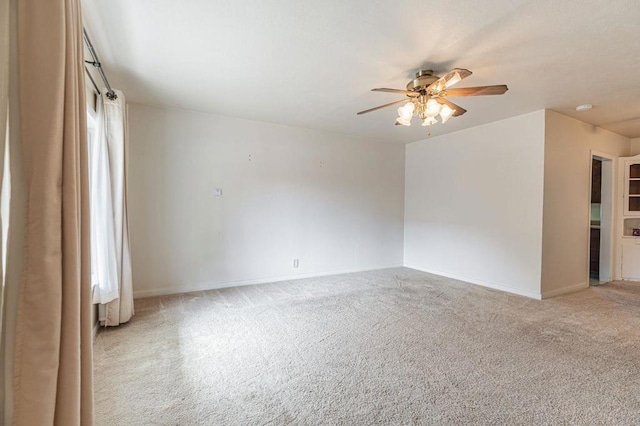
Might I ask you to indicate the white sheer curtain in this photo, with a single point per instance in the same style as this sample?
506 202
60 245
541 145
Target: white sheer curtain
110 254
104 275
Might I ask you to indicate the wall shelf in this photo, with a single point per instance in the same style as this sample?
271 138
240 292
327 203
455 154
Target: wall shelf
631 186
629 219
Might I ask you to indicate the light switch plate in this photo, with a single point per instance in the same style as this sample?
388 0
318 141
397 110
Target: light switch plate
217 192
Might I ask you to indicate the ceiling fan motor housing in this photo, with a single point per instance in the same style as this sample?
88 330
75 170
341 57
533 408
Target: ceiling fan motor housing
423 79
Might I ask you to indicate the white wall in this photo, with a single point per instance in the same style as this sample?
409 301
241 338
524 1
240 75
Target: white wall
335 202
635 146
567 180
473 204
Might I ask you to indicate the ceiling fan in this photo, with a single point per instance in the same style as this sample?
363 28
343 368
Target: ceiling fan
427 93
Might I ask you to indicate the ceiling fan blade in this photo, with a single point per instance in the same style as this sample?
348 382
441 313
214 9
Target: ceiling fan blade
383 106
477 91
403 92
448 80
457 108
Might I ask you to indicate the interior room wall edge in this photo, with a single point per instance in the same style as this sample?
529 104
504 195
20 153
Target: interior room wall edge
215 285
487 284
569 144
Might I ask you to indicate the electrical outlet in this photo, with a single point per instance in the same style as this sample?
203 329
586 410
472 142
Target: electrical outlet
217 192
295 263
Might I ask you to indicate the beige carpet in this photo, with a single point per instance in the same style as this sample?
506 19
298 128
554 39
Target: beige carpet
385 347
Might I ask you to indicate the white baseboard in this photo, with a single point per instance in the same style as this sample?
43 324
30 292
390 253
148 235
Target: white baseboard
564 290
482 283
188 288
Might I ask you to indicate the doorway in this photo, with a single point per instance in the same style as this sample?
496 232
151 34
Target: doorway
601 219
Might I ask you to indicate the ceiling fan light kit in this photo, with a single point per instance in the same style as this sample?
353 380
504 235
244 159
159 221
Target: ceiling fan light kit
426 97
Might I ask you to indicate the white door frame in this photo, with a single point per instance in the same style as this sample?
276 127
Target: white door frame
607 209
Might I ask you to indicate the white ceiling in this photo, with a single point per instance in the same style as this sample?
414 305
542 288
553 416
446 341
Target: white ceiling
312 63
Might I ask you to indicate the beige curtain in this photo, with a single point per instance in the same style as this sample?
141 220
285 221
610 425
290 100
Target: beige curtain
53 356
5 23
4 110
16 194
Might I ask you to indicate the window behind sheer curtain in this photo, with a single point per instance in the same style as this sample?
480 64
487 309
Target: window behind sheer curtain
104 277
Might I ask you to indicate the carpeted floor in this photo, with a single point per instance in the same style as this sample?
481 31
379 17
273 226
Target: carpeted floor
395 346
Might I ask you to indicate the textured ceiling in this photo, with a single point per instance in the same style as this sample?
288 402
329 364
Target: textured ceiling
313 63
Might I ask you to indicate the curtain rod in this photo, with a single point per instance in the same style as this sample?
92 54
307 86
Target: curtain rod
96 63
92 80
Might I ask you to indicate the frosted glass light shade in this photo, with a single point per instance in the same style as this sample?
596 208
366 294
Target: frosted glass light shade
429 121
433 108
446 113
407 109
403 121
